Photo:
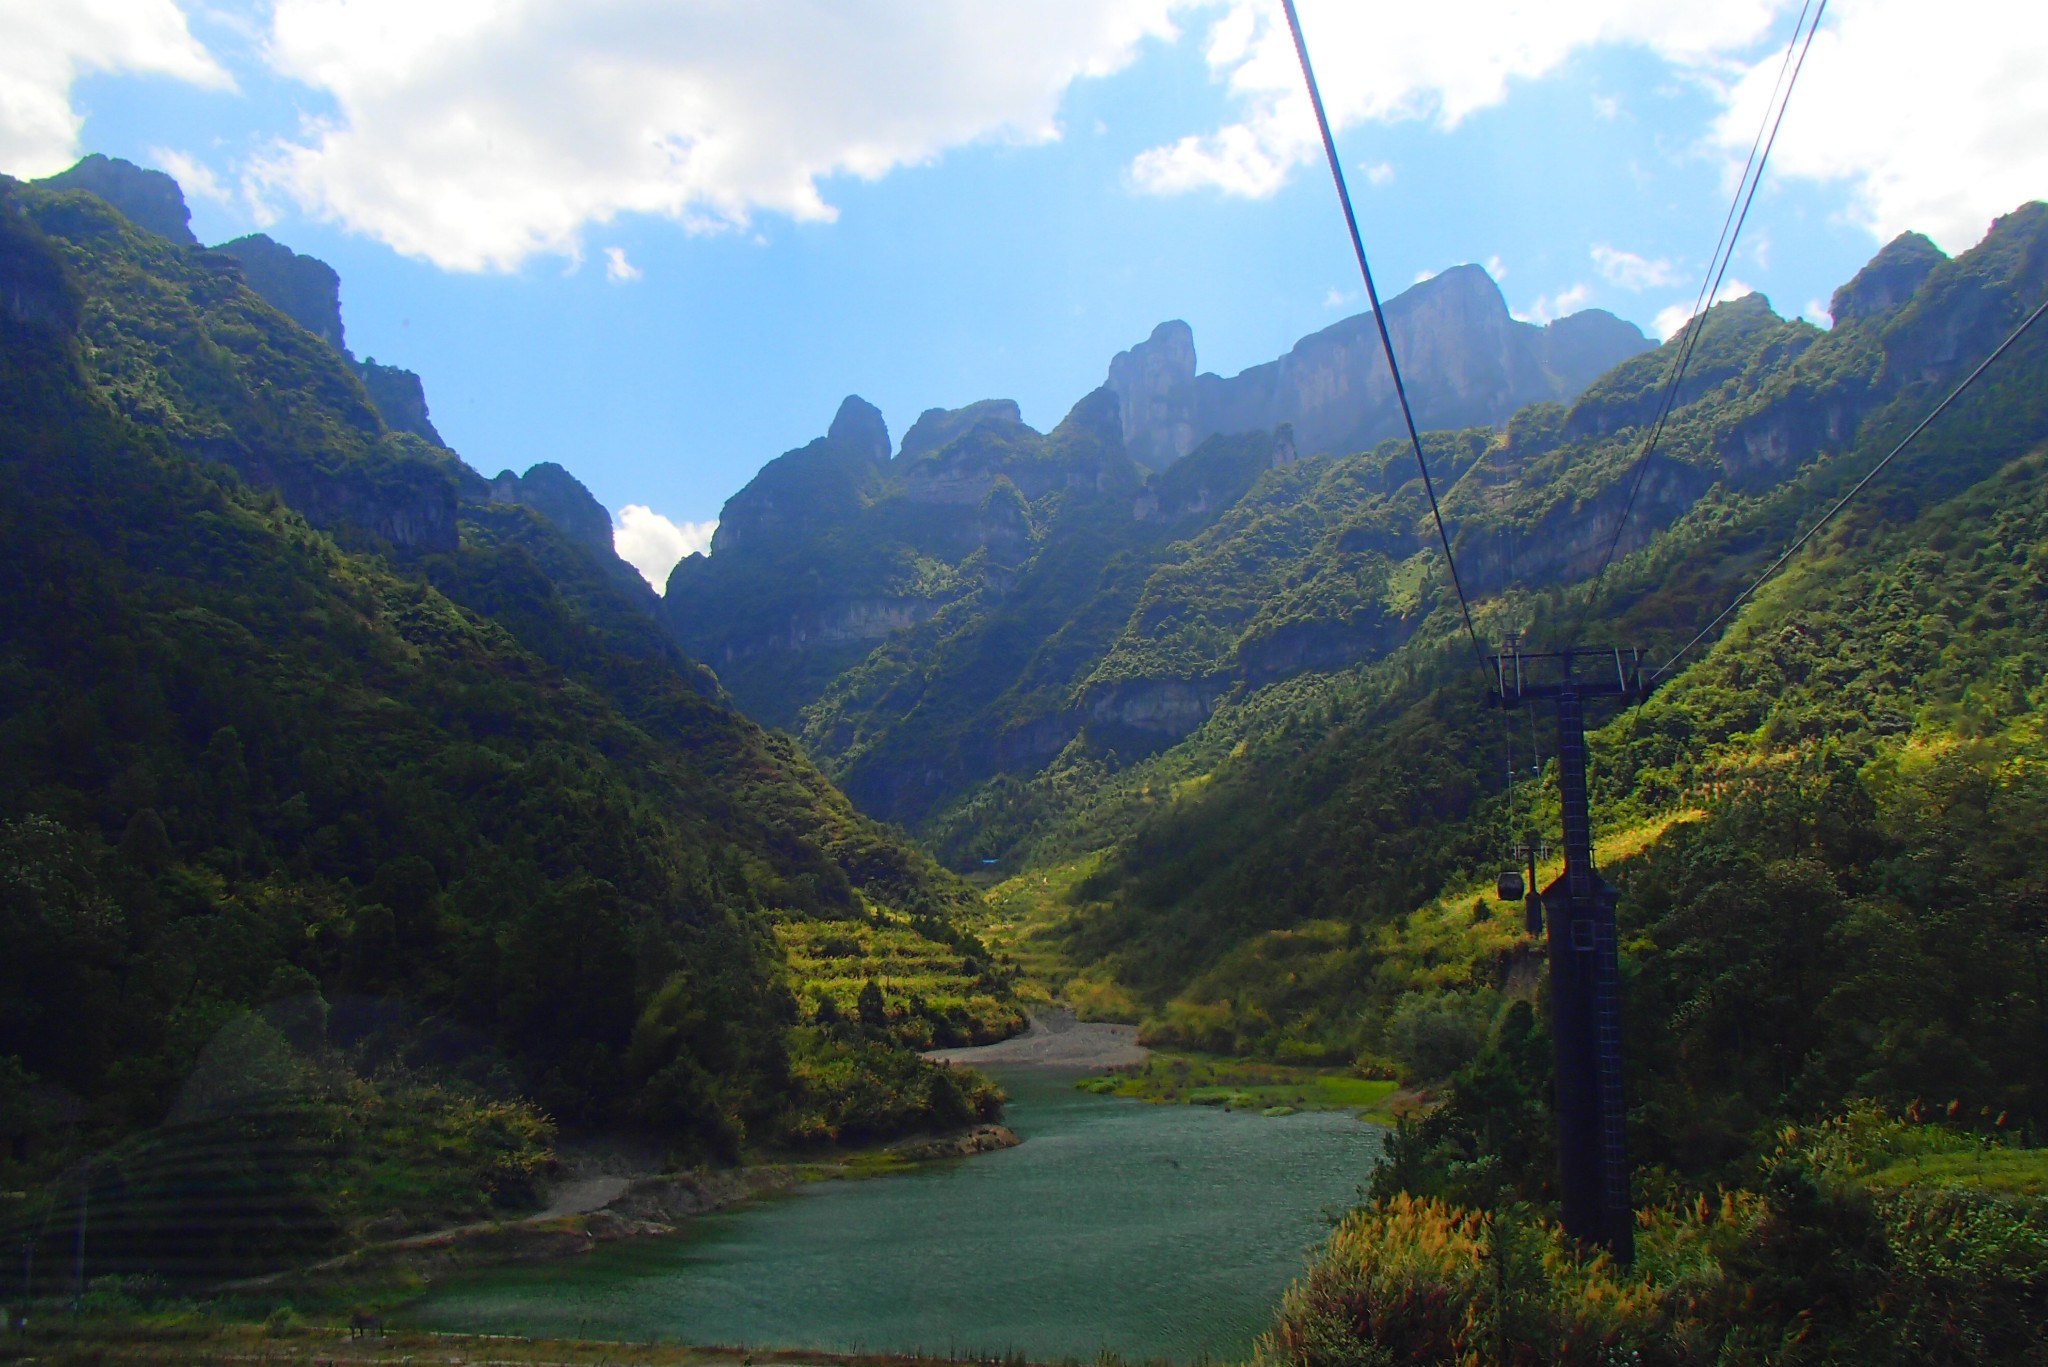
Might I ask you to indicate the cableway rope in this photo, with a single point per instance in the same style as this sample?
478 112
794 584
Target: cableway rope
1710 285
1875 470
1379 317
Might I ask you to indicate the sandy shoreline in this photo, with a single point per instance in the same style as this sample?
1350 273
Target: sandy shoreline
1056 1039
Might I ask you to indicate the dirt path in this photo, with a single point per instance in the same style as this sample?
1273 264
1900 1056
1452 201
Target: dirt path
1057 1040
582 1195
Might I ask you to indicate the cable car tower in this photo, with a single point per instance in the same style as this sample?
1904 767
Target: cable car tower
1578 910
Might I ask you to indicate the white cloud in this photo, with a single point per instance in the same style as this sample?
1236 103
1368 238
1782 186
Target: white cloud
1606 107
652 544
1630 271
46 45
1379 173
194 177
1421 276
1337 299
477 135
1816 312
1936 126
1386 63
617 268
1550 307
1670 320
1936 122
1496 269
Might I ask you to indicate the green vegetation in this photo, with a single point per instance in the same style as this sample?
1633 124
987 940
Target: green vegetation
291 715
933 995
1826 831
1240 1084
1824 1260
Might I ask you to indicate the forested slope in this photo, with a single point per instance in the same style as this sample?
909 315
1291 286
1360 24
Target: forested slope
1827 831
1354 796
294 712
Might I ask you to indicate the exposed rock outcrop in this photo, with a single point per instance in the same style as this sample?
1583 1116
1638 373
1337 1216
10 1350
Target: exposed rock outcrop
302 288
980 1139
306 290
809 490
1464 359
560 497
937 427
148 199
1881 288
1154 385
400 399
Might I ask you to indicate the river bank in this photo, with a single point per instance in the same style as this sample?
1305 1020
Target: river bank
598 1205
1153 1232
1055 1038
99 1341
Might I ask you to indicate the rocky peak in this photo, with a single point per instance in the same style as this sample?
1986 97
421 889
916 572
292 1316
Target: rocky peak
1579 348
559 497
1097 416
1283 446
302 288
148 199
1464 358
399 397
813 487
938 427
1880 288
1153 383
858 424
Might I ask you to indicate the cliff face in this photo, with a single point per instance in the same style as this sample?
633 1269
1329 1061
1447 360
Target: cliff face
302 288
400 399
1243 564
560 497
1880 288
306 290
836 546
149 199
1154 387
1464 359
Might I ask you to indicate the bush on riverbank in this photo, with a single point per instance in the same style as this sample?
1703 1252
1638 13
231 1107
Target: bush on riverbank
852 1088
1832 1258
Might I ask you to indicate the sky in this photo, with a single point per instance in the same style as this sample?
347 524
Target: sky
658 241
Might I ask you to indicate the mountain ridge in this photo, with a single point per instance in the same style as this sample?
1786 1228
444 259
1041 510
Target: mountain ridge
1465 361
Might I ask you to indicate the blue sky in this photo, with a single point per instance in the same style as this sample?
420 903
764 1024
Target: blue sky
658 242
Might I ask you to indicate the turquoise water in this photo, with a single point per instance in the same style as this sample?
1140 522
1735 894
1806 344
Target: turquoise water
1150 1231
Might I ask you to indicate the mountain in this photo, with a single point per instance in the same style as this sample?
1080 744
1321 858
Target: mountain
1464 359
970 607
149 199
302 288
1351 797
302 709
1825 834
836 545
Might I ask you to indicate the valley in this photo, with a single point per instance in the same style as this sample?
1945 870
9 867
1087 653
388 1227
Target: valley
375 841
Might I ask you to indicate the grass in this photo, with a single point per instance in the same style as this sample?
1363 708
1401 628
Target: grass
2009 1172
1238 1084
1021 921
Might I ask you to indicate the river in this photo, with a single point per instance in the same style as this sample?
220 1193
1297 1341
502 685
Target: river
1149 1231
